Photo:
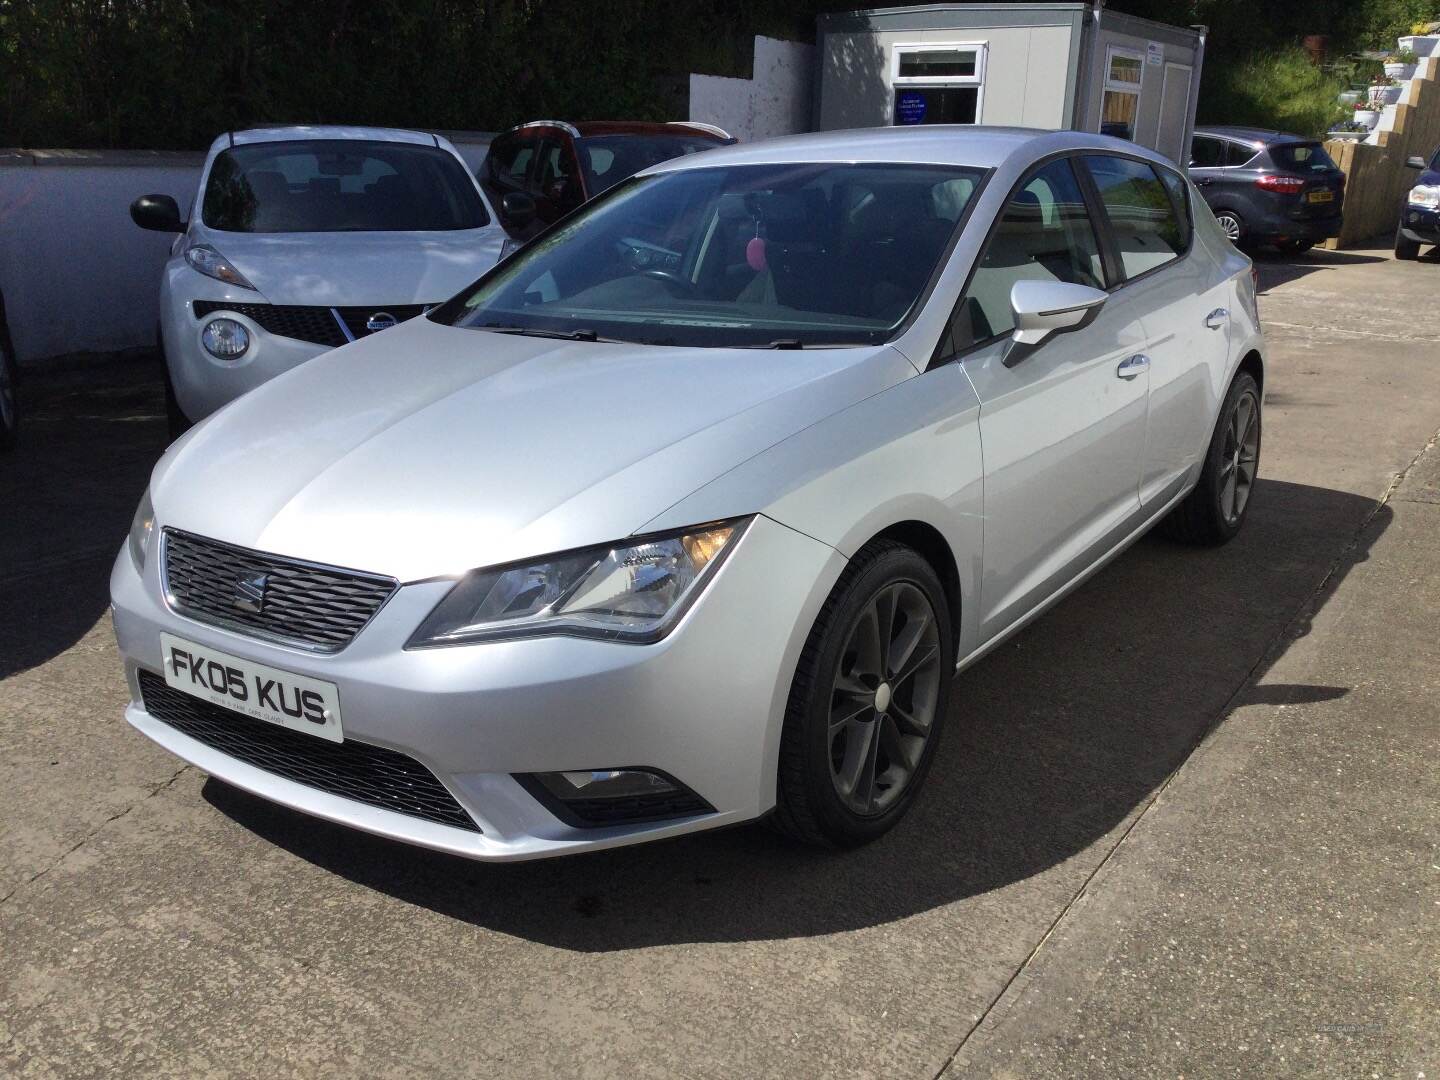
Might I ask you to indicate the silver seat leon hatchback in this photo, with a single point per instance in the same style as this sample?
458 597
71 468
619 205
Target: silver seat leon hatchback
688 512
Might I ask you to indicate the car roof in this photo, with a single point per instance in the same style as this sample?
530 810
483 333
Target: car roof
586 128
931 144
1266 136
297 132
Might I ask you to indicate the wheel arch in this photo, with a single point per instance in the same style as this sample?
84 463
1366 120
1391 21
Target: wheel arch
1254 366
931 545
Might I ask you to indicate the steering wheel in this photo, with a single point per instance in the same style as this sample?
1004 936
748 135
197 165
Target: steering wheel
669 277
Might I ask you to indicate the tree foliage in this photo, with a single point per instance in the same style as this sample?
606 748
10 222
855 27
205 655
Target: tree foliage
173 73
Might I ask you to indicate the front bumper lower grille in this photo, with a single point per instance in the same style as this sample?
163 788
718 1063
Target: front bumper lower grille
363 772
331 327
320 608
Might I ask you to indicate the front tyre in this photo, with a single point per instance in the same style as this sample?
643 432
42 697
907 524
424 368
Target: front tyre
868 701
1405 248
1213 513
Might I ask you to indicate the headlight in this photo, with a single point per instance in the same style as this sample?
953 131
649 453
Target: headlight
1426 196
140 530
211 263
634 591
225 339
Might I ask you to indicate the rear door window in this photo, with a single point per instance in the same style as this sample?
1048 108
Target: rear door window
1143 222
1238 153
1206 153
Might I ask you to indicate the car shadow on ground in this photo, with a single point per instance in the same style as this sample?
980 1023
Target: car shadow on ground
1052 743
1276 268
88 440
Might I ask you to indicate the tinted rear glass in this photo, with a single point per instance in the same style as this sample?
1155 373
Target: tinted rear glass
340 185
608 159
1302 157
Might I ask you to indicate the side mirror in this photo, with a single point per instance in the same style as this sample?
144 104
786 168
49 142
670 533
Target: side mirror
1415 162
157 212
518 209
1043 308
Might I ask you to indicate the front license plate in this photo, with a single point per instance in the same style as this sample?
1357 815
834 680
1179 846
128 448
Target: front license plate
279 697
1321 196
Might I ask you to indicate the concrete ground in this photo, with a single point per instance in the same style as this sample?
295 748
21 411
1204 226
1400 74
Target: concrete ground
1062 902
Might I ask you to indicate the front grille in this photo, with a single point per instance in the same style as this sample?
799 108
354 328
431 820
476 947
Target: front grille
316 325
373 775
357 317
319 607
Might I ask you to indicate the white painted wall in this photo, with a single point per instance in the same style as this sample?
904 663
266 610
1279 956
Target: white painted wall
77 274
775 102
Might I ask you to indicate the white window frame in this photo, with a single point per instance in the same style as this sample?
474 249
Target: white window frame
910 82
1115 86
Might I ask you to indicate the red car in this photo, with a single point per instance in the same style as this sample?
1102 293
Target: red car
538 172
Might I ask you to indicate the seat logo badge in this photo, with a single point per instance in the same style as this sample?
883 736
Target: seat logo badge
381 320
250 593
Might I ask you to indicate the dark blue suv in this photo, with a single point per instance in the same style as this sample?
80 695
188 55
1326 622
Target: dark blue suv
1420 216
1268 186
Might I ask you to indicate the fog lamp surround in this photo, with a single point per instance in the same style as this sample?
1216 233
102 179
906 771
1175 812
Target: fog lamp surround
591 798
225 339
635 591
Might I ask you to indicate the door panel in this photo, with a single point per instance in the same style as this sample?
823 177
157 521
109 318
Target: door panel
1062 436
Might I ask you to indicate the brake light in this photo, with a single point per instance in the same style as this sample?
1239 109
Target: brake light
1289 185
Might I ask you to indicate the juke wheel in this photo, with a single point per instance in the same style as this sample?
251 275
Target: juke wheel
868 701
1213 513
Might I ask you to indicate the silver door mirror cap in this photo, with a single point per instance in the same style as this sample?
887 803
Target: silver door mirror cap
1042 308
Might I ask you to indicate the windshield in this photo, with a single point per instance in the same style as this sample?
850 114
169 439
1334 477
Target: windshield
813 254
608 159
1302 157
340 185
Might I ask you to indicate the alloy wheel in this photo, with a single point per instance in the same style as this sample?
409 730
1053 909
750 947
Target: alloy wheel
1239 457
1230 224
884 698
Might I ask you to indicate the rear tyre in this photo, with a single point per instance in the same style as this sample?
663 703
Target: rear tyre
1406 249
868 701
1213 513
1232 224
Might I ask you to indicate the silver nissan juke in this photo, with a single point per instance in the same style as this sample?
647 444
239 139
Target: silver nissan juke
688 512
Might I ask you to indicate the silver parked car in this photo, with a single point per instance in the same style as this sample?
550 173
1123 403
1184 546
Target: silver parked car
689 512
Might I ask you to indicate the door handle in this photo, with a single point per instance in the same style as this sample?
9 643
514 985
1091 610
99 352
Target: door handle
1133 366
1217 318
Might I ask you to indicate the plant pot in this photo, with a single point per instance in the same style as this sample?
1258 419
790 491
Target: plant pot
1345 136
1368 117
1399 71
1349 97
1385 95
1421 44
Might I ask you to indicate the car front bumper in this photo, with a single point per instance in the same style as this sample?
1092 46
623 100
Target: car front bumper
1420 225
704 705
202 383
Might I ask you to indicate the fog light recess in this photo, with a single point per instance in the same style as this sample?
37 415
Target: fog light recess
591 798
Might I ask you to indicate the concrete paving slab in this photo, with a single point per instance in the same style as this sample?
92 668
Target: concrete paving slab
164 924
1277 911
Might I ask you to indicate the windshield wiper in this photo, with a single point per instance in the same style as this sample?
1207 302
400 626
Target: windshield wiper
582 334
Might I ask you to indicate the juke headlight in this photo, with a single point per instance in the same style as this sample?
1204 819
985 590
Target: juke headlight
635 591
208 261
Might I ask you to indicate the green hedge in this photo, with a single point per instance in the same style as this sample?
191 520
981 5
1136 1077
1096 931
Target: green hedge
1281 90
